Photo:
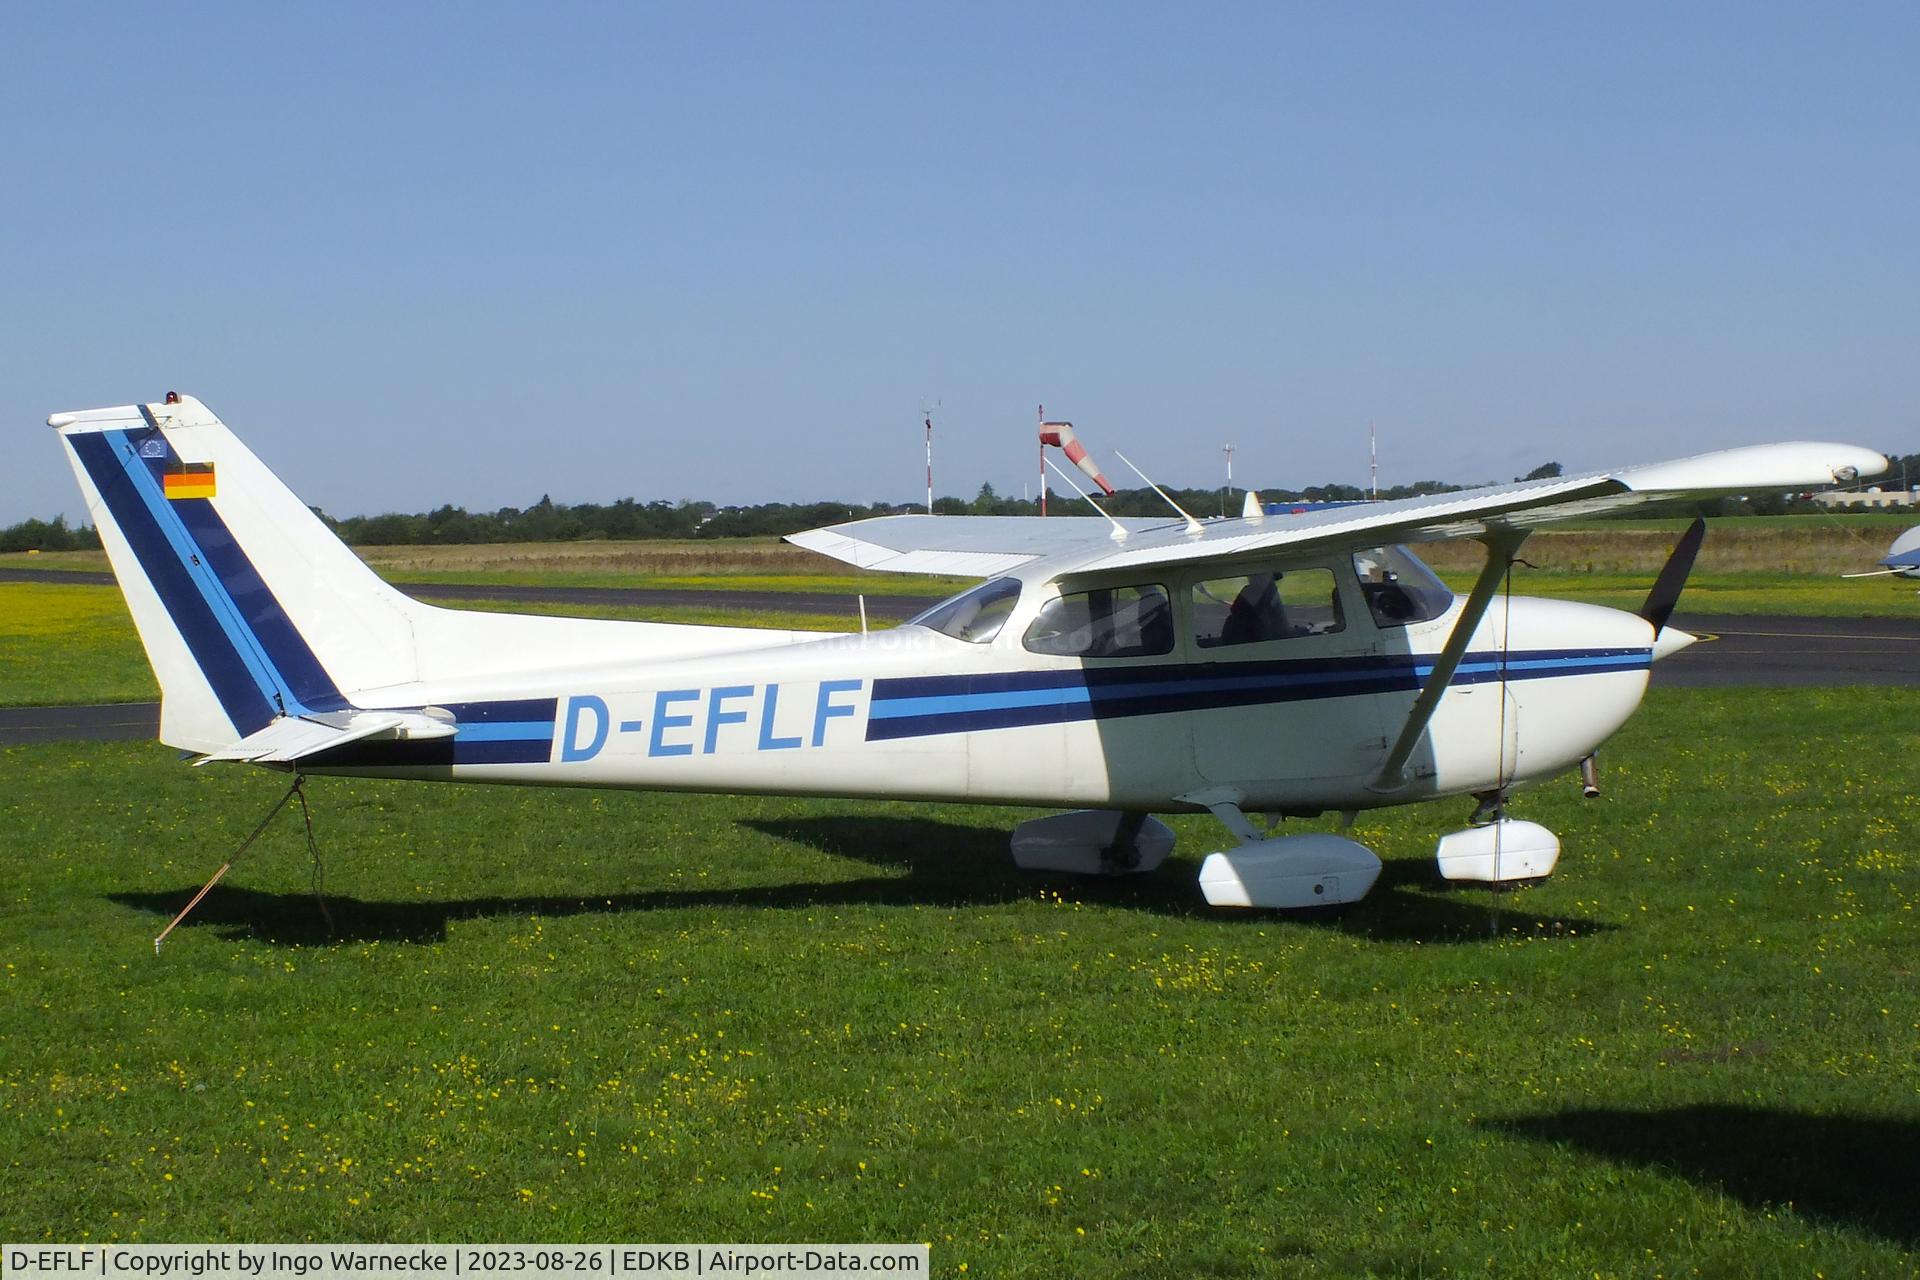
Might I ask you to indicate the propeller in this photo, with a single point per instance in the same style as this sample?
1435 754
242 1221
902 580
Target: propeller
1656 611
1673 577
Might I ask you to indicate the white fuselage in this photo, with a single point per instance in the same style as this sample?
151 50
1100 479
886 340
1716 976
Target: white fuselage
1300 724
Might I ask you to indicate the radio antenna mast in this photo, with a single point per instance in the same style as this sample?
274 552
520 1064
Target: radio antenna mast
927 414
1228 491
1373 458
1041 414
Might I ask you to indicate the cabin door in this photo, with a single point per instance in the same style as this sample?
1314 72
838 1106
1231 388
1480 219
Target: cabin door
1293 667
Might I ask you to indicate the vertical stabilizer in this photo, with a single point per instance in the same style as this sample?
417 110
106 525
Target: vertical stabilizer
248 606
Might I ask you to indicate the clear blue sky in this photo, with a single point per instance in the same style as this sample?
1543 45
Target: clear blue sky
466 253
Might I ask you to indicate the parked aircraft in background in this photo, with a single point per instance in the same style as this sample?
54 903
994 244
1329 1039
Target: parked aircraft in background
1246 667
1903 557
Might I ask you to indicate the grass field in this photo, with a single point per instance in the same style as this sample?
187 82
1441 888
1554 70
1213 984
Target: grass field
62 645
551 1016
1786 565
1813 546
75 644
1767 568
1871 524
1806 595
732 564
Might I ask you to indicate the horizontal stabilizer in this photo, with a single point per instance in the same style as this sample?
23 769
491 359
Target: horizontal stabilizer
288 738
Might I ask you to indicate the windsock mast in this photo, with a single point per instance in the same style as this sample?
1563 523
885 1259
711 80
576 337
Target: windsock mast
926 418
1040 416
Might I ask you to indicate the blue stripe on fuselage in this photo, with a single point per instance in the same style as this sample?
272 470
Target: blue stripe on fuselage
922 705
511 731
526 710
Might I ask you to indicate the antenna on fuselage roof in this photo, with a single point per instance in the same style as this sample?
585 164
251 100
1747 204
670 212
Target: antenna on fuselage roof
1193 526
1119 530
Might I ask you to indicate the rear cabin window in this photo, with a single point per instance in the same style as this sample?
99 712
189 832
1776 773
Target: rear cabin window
1266 606
975 616
1398 587
1111 622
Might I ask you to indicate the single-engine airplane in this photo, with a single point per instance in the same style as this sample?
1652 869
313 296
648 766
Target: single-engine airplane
1902 558
1249 666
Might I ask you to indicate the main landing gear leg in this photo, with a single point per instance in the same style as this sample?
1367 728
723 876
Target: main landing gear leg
1285 872
1093 842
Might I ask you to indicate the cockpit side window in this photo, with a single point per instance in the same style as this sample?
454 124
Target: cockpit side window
975 616
1398 587
1109 622
1266 606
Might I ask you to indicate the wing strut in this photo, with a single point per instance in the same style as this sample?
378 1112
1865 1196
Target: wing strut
1501 543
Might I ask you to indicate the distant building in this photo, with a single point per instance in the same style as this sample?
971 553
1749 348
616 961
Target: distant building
1874 497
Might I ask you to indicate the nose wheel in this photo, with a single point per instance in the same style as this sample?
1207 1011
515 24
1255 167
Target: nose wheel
1500 850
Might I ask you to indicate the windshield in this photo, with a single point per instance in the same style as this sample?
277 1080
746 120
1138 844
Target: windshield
1398 587
975 616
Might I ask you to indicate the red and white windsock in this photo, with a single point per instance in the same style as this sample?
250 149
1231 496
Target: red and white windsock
1061 434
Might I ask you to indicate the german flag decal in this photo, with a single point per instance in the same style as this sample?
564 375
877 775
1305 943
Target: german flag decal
192 480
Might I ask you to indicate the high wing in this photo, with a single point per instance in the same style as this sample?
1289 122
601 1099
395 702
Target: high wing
966 546
982 546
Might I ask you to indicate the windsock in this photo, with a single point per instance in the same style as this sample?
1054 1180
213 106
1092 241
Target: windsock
1061 435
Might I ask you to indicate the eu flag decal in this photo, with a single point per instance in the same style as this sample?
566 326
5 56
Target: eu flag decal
190 480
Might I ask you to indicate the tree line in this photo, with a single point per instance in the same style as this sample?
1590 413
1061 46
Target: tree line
630 519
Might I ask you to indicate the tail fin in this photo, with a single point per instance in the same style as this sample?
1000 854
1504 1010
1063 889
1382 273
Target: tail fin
252 611
248 606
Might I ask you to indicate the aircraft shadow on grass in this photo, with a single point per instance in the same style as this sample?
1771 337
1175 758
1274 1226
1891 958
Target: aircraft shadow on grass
1849 1171
927 863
